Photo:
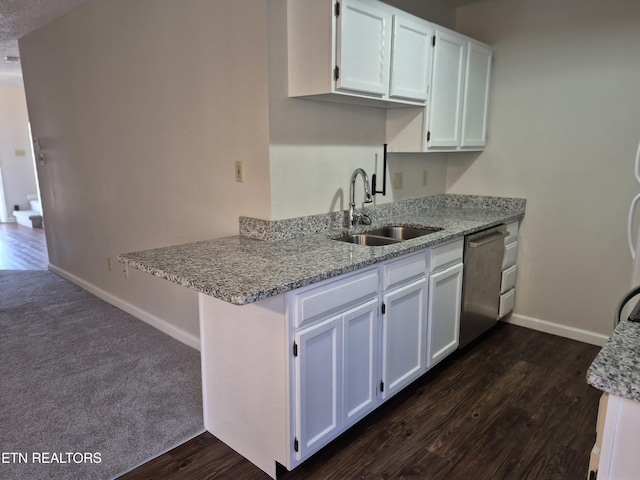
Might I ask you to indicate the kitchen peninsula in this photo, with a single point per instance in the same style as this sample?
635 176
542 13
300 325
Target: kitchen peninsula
302 335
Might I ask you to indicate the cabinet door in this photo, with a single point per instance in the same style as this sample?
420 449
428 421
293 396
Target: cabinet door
476 96
445 109
360 356
411 59
363 48
403 336
445 295
318 380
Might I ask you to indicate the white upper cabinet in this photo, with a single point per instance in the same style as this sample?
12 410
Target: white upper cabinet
411 59
457 112
363 48
357 51
476 95
445 108
455 118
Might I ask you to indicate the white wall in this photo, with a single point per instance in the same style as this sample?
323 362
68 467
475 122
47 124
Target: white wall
315 146
142 108
563 131
16 161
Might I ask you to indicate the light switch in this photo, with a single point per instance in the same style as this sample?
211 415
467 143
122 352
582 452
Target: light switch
397 180
239 172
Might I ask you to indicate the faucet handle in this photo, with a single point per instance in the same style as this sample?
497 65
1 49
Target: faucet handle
360 218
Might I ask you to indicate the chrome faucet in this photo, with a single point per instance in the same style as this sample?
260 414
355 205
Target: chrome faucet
355 218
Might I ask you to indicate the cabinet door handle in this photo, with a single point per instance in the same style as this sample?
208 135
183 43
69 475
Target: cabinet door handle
487 240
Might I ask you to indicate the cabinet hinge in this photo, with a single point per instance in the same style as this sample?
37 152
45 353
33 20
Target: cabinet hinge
337 9
381 386
295 349
433 41
295 444
383 309
336 73
428 135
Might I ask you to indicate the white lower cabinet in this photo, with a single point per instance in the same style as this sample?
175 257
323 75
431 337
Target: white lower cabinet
284 376
617 440
509 271
318 375
362 338
360 360
445 297
335 371
404 322
334 326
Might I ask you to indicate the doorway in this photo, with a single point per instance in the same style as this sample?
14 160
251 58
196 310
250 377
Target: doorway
21 247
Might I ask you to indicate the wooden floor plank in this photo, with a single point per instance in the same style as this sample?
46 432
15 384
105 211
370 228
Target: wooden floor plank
22 248
515 405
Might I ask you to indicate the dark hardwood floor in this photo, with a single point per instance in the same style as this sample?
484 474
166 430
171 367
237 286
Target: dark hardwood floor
22 248
512 406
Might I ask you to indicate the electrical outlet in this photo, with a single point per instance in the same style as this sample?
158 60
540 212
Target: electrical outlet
239 172
109 263
397 181
425 178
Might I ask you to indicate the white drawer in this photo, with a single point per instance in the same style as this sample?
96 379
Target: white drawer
507 302
508 279
510 255
512 230
444 256
312 303
404 270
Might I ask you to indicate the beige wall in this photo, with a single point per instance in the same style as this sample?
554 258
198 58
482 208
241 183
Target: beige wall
17 171
142 108
563 131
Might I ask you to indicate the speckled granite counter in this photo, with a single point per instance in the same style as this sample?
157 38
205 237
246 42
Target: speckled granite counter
616 369
243 269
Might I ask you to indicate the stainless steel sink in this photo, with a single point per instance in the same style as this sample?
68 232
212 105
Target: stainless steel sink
403 233
369 240
387 235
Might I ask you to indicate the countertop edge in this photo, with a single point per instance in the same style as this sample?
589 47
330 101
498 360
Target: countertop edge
238 297
616 368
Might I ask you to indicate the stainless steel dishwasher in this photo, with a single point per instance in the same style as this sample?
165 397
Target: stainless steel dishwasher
483 252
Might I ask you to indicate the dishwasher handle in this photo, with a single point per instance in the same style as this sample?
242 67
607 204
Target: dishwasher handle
489 239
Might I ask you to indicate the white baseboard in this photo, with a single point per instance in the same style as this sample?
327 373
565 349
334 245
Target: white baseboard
557 329
137 312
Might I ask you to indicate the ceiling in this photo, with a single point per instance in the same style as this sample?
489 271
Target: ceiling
20 17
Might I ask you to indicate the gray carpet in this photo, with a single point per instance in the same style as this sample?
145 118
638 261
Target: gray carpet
86 390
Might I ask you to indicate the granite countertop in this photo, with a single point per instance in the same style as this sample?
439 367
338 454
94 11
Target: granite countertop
241 270
616 369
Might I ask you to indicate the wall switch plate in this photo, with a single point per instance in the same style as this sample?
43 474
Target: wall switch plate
239 172
397 181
